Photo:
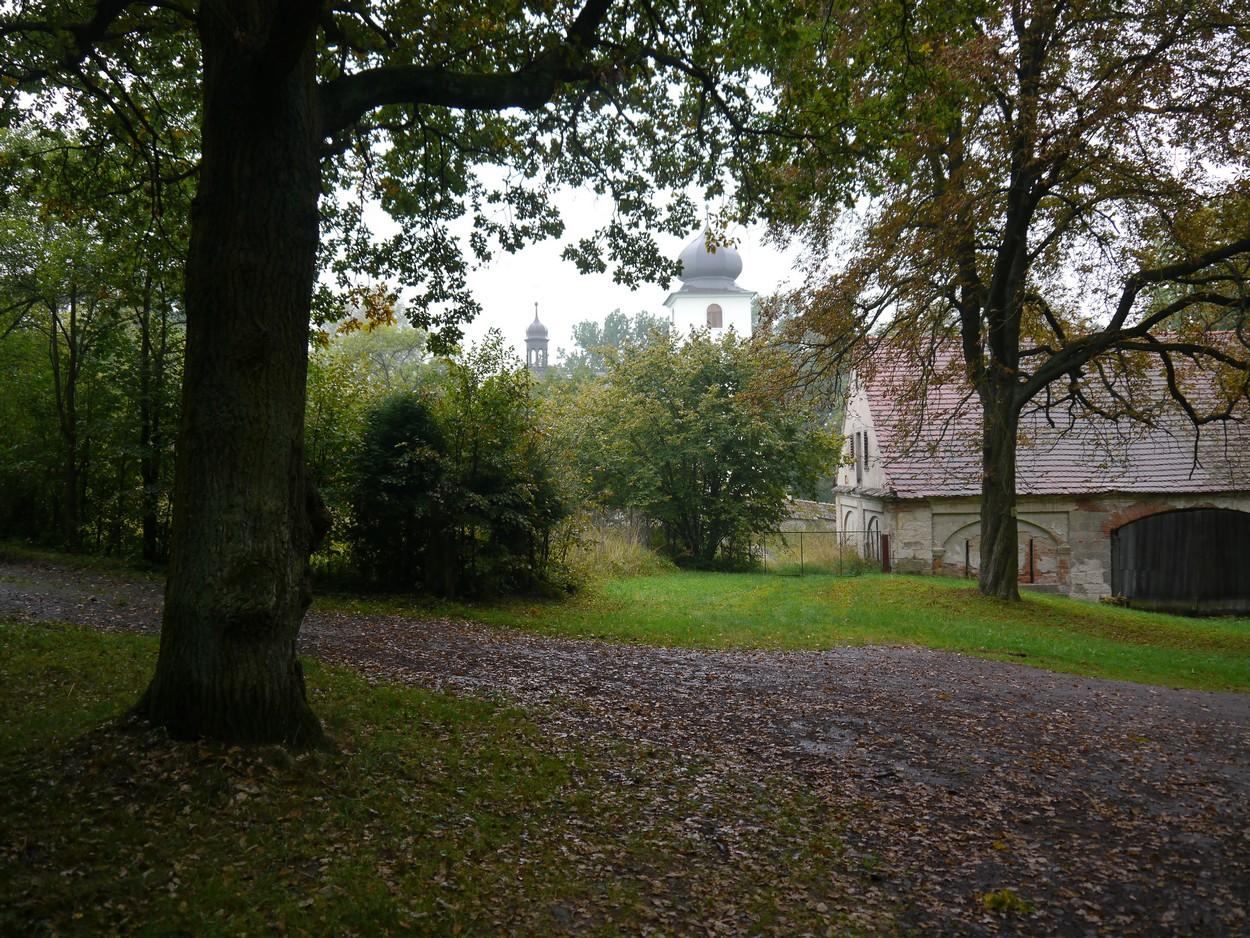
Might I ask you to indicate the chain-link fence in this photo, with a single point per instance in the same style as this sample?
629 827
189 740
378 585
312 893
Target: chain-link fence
836 553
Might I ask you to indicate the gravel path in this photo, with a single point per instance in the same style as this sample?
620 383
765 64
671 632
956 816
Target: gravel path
1113 808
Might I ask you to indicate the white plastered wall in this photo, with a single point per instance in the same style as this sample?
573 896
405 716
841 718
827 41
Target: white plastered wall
689 311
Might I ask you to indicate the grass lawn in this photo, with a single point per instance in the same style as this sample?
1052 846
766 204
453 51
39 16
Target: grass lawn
438 814
721 610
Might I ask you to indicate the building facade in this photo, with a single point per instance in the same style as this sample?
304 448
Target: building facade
1153 514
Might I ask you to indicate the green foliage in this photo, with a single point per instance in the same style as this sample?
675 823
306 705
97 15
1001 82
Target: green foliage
455 487
595 343
350 374
400 524
90 349
1005 902
694 436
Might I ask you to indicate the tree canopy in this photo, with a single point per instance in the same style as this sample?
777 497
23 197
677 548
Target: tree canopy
292 117
1057 187
693 434
595 343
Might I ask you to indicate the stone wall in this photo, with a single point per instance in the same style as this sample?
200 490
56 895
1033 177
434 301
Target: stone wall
1071 536
805 515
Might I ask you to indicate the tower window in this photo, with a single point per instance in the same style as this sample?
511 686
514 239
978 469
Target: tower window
715 317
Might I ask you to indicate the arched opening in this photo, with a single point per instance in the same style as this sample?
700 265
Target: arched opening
872 539
715 316
1194 561
1037 554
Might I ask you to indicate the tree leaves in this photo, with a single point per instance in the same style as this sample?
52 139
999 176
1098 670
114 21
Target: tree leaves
685 431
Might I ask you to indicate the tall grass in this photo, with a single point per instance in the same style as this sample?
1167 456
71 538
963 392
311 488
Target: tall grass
606 551
791 553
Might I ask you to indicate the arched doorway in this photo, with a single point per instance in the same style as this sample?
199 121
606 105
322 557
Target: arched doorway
872 539
1192 561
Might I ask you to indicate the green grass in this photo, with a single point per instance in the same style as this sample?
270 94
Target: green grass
438 814
720 610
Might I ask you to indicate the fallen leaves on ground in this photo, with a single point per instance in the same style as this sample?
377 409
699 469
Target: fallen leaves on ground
1082 805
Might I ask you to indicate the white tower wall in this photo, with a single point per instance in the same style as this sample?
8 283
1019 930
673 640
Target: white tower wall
690 311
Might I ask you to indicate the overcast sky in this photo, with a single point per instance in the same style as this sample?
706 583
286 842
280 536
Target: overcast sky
511 284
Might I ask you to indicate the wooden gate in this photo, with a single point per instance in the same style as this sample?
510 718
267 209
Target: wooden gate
1191 561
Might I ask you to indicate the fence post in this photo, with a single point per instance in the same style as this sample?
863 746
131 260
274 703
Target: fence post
885 553
800 553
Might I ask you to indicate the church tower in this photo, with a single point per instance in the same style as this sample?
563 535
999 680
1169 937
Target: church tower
709 297
536 345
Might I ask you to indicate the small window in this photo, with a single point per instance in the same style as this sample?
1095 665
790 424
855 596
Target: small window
859 458
715 316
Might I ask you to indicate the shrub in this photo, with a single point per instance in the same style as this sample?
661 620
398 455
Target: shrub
455 490
697 436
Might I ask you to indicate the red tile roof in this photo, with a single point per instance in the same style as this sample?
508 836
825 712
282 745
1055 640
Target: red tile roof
931 445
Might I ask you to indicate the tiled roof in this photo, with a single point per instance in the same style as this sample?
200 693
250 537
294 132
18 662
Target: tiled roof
933 448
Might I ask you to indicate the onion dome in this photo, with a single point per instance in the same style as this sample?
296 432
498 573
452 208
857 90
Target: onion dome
536 330
709 267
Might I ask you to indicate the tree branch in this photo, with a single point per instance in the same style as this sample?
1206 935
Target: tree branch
344 100
1082 350
86 36
1145 278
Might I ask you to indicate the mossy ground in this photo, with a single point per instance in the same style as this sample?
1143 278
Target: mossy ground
438 814
724 610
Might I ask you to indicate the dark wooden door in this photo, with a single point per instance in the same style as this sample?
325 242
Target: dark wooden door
1185 561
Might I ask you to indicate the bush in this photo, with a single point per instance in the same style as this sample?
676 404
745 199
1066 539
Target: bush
455 490
697 436
400 525
601 550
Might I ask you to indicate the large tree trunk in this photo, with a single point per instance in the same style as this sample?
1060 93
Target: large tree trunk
997 575
151 366
243 522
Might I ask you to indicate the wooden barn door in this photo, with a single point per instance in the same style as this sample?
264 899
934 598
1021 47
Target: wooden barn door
1196 560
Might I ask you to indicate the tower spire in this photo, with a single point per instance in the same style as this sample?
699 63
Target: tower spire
536 344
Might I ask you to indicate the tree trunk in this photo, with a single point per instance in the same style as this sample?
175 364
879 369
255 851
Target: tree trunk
66 386
997 575
244 522
150 363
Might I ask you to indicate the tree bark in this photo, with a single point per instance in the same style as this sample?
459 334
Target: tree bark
244 520
65 384
151 384
997 574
